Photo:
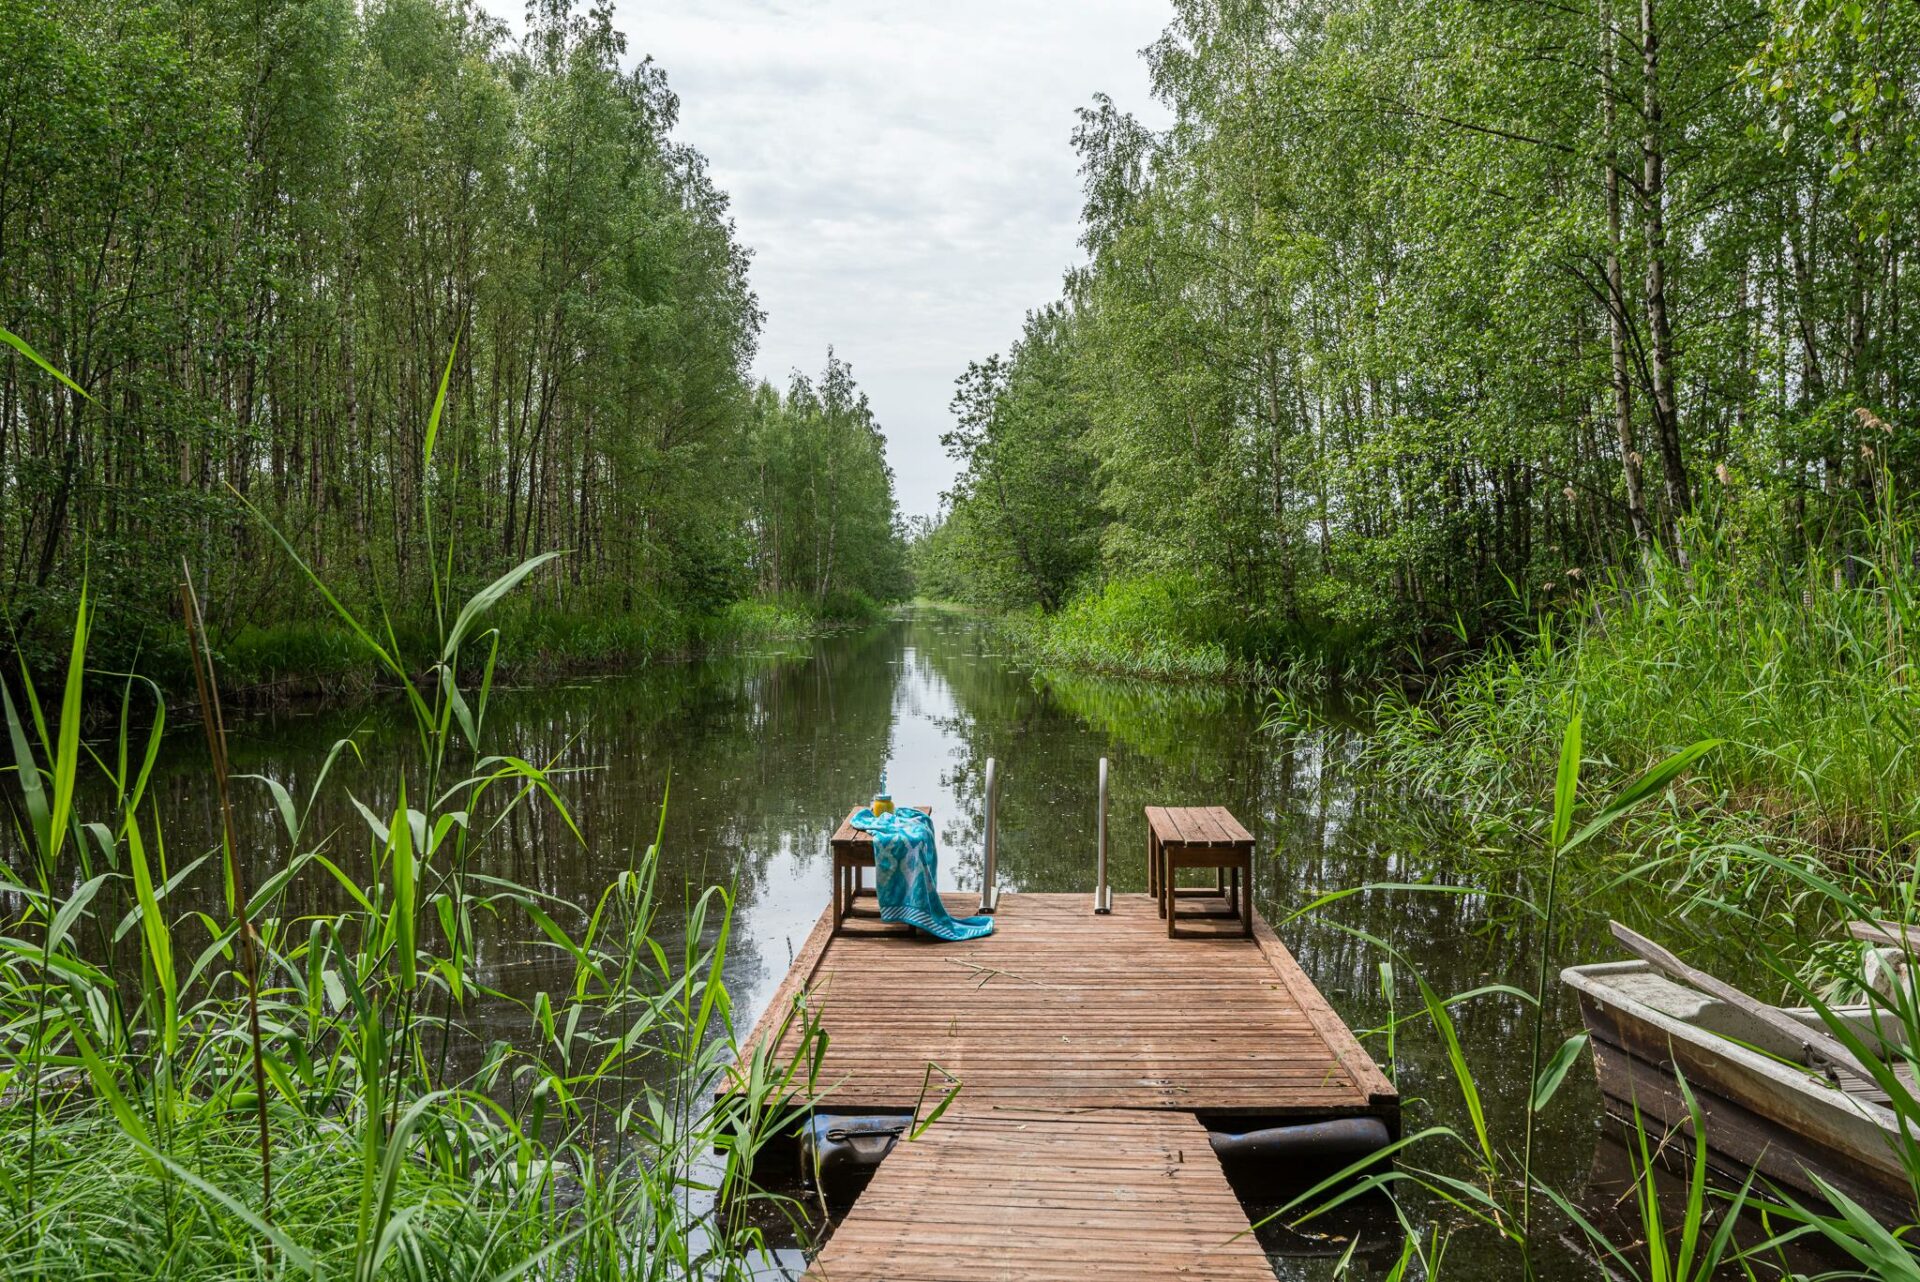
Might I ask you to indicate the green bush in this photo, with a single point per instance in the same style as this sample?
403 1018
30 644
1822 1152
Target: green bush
1156 625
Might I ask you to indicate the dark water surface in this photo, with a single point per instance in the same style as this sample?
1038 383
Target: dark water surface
765 752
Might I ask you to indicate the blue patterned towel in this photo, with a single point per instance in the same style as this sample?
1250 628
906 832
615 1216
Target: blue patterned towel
907 868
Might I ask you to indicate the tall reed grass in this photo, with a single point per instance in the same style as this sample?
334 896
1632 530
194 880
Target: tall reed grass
195 1087
1800 664
1727 1223
1152 627
1781 679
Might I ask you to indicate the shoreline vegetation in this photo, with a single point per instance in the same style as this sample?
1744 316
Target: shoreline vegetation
322 662
274 1092
1556 357
261 245
1802 675
247 1083
1800 669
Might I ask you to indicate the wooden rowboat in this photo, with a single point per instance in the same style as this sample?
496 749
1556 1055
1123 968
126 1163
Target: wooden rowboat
1776 1091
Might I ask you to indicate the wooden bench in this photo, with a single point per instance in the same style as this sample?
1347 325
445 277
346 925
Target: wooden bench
852 854
1199 837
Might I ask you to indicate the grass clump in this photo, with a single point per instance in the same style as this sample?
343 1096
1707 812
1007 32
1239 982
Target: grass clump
135 1142
1801 668
1150 626
787 616
1177 627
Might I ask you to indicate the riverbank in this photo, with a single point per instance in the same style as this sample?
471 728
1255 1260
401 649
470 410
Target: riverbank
1171 626
321 661
1800 670
1146 628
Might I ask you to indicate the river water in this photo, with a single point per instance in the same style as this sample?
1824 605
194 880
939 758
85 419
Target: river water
763 753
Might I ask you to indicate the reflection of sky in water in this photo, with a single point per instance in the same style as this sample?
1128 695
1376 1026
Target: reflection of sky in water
925 756
765 753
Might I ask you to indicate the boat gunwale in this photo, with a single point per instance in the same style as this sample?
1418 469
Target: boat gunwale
1803 1080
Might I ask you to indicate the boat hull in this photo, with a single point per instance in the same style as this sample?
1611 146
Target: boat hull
1758 1114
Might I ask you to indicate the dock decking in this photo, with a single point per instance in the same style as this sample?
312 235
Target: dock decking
1047 1196
1062 1009
1088 1051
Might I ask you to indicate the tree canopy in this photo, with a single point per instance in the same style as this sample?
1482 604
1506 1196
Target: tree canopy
254 231
1421 304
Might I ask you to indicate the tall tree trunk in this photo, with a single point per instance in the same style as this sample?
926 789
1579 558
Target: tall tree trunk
1666 415
1616 290
62 497
1894 400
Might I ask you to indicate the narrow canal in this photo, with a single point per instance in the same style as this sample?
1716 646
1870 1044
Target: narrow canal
761 754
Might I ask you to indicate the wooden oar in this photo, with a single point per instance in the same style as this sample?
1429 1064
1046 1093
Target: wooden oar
1813 1040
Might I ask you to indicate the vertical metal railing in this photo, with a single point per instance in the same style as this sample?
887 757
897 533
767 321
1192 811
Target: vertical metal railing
989 891
1102 892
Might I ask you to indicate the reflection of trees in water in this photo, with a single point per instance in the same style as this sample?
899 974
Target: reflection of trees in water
1168 745
1155 719
1320 826
764 753
756 751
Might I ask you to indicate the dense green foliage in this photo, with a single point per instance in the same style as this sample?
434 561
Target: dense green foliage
821 493
154 1081
277 1091
1417 303
1029 526
252 233
1809 685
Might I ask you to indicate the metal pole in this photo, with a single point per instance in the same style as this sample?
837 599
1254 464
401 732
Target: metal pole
989 892
1102 893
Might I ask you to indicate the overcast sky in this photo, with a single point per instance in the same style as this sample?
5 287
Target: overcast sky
903 173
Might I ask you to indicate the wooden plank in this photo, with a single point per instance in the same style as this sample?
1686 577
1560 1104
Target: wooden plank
1064 1008
1866 1088
1381 1093
848 835
1233 828
1742 1134
1886 933
1197 822
1205 826
846 832
1050 1195
1781 1108
1182 826
1194 828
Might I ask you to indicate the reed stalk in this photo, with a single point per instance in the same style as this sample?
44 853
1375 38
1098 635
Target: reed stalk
206 683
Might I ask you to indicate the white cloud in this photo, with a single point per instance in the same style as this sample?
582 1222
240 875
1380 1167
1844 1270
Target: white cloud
902 173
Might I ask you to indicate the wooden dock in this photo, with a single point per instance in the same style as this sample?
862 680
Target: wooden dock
1089 1051
1048 1197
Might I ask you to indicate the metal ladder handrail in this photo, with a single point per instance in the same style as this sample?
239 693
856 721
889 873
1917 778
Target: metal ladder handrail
989 891
1102 892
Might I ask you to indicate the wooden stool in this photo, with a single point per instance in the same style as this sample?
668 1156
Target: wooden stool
1200 837
852 854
